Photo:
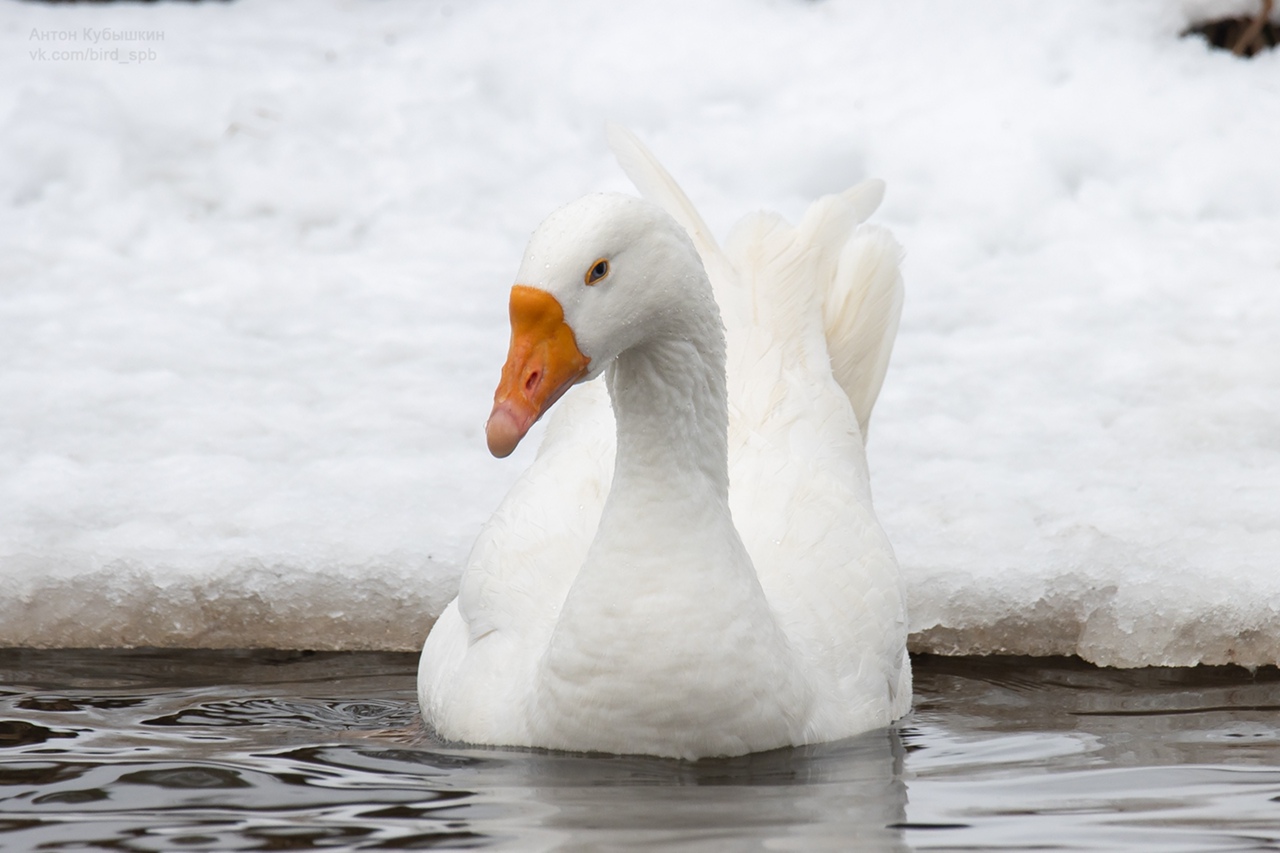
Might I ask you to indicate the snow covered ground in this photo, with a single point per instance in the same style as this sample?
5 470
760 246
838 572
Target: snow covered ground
253 270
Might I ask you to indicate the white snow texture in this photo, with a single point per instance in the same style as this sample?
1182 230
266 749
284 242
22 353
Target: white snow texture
253 278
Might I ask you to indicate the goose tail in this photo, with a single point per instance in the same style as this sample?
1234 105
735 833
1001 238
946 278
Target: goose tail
860 313
832 272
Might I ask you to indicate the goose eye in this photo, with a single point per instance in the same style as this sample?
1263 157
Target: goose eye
598 270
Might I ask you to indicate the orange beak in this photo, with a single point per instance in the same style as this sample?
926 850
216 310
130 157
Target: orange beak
543 361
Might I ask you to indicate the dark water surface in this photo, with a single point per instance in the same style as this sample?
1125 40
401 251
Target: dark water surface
146 750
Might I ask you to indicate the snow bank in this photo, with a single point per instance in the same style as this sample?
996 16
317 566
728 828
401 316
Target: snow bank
253 276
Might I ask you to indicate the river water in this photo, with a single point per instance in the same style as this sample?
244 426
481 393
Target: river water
163 751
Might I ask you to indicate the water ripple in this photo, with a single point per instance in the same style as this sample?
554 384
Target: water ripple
143 752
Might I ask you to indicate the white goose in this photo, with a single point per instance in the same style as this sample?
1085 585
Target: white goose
623 610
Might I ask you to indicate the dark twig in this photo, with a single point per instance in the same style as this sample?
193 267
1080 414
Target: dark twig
1249 42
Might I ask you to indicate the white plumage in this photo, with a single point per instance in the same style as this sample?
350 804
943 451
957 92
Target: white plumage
728 588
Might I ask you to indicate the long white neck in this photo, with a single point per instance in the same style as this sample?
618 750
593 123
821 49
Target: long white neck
666 625
671 405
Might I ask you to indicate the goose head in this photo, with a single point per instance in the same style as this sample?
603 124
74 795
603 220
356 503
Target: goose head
599 276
